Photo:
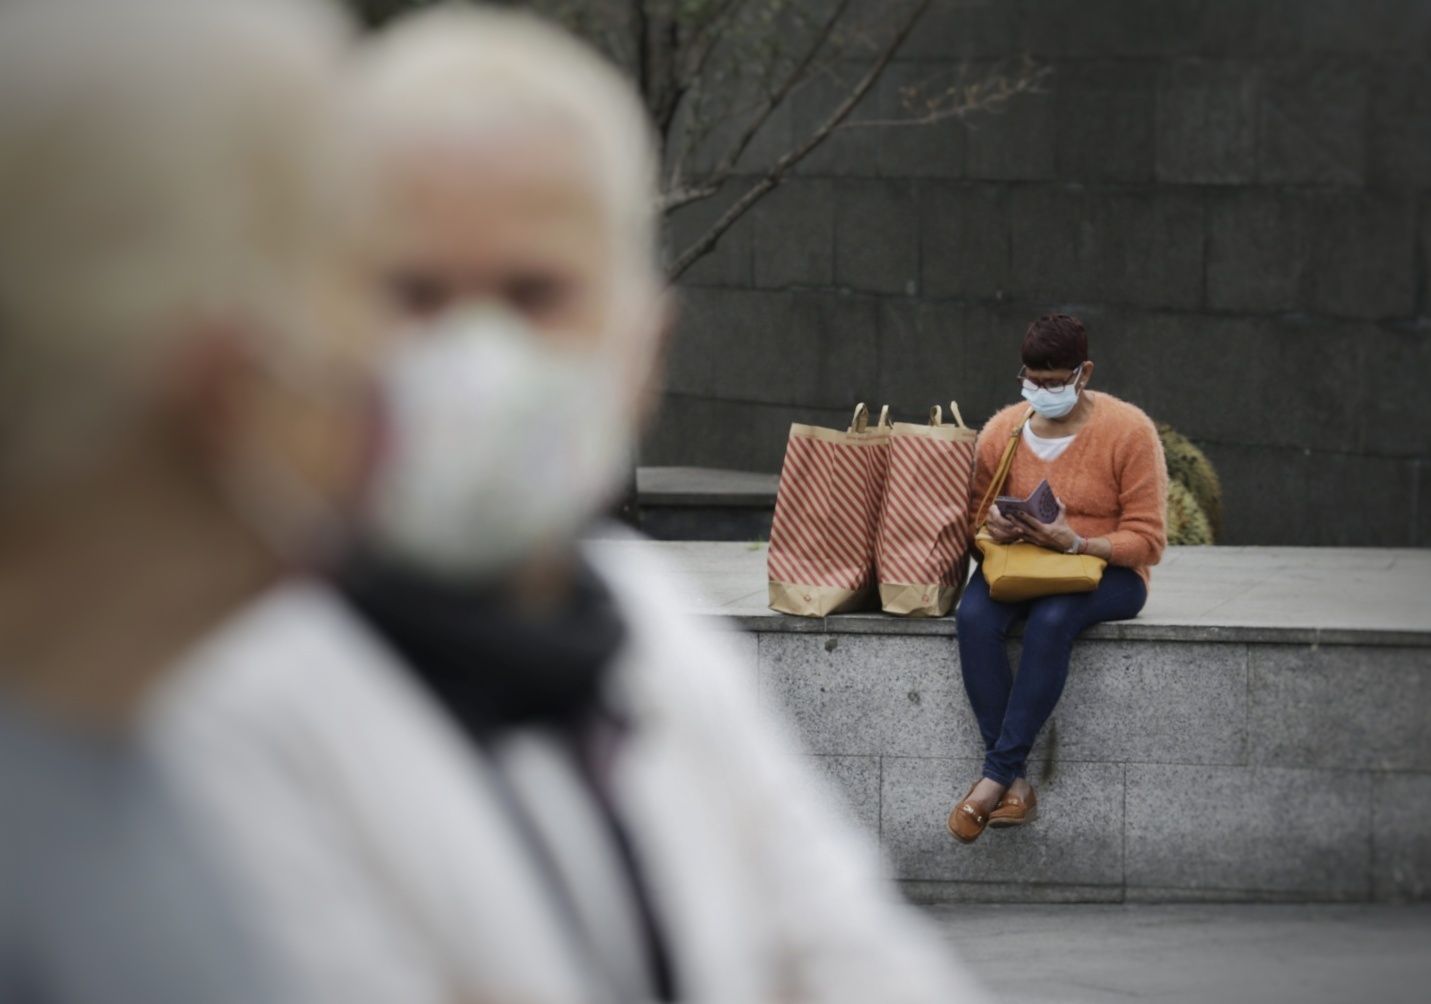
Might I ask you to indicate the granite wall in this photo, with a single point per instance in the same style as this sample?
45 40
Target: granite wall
1233 194
1177 769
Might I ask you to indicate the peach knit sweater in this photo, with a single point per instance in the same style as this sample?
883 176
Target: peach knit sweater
1112 477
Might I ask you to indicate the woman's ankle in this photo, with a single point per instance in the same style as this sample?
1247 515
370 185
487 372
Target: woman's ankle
987 792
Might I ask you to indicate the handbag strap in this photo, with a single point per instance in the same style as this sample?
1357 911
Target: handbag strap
1002 475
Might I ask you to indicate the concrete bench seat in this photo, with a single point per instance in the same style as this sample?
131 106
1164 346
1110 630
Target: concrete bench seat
704 503
1261 732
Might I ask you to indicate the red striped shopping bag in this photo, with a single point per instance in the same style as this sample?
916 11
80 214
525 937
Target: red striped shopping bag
922 551
827 510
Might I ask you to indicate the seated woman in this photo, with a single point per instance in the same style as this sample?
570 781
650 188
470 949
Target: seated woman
1104 461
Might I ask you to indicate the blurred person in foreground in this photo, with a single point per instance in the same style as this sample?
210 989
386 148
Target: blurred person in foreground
565 791
169 431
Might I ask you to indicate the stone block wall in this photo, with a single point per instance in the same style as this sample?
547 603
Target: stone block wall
1175 769
1234 194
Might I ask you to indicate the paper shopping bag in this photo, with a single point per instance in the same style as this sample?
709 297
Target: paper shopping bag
922 550
827 510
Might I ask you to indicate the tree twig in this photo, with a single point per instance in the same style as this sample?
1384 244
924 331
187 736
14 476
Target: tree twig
726 167
704 36
675 198
776 174
988 95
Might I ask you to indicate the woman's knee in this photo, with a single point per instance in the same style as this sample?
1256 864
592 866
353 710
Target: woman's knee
1126 593
967 616
977 616
1054 619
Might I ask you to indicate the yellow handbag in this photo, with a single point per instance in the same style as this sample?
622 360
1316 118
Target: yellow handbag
1021 571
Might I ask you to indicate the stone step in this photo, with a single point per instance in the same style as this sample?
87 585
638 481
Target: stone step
1261 732
703 503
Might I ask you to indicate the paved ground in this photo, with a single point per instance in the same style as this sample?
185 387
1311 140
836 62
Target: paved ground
1196 954
1385 592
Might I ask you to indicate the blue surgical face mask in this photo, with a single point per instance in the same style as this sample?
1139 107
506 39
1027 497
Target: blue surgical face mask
1053 404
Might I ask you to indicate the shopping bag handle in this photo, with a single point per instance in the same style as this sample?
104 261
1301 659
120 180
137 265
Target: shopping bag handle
860 421
936 415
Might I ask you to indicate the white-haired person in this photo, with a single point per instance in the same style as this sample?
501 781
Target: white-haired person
566 792
171 424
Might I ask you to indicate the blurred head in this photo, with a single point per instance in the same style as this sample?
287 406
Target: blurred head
1056 367
172 224
516 168
516 188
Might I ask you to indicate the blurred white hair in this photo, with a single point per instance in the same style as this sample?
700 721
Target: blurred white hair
161 166
459 69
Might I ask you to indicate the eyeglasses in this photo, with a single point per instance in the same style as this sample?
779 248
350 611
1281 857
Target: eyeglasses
1048 383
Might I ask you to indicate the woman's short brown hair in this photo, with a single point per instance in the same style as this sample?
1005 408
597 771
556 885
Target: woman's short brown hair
1055 342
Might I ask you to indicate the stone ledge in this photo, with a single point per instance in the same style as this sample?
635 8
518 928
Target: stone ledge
1270 595
1135 630
1316 763
1284 690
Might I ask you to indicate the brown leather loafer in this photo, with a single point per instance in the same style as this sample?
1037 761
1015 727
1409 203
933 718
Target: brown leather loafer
1015 811
967 820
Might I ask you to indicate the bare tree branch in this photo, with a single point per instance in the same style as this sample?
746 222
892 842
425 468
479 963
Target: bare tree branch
989 94
707 66
726 166
641 30
697 53
678 192
674 198
804 72
776 174
704 35
660 60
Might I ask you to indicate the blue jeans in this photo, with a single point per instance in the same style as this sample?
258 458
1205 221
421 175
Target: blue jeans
1011 709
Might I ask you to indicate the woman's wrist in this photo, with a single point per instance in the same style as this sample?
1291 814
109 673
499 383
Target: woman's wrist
1099 547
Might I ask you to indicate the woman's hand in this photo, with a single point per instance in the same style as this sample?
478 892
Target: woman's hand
1056 536
1001 528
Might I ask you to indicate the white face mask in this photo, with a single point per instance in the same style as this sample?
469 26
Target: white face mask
497 443
1053 404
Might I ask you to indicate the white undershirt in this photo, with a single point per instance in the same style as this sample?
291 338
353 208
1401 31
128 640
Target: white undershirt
1046 449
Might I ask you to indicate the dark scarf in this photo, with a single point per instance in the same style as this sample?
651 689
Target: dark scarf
491 666
494 669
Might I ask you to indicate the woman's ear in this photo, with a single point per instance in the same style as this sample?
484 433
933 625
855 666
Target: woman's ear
204 389
1087 373
233 404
